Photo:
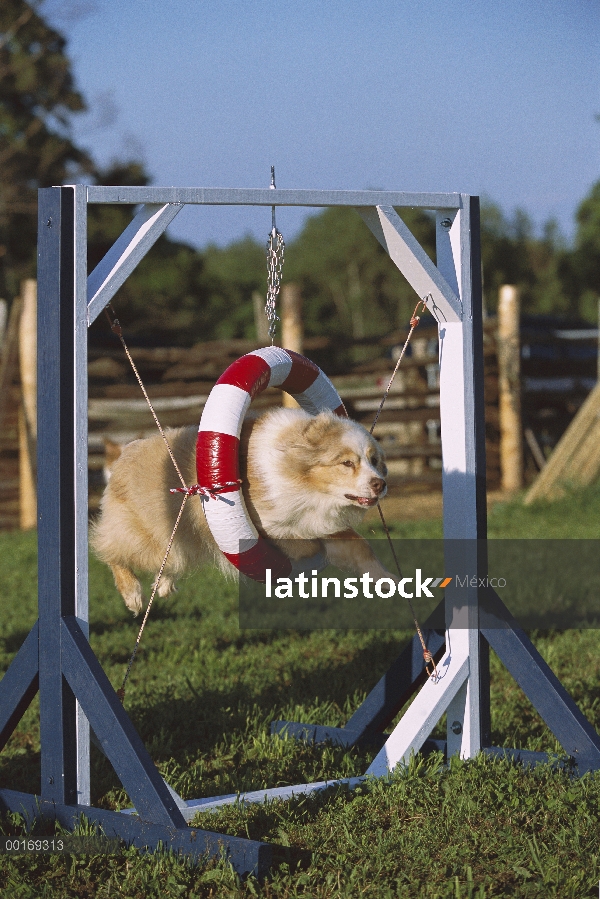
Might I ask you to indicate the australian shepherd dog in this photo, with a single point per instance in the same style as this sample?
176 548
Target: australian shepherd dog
307 482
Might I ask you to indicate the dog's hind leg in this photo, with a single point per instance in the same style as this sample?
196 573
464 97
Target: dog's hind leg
129 587
166 587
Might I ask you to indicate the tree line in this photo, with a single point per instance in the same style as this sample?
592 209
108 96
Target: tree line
181 294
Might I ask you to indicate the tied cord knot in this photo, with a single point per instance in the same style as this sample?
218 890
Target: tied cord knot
430 666
115 327
205 492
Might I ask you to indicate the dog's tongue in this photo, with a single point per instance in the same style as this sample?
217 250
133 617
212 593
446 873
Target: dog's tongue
362 500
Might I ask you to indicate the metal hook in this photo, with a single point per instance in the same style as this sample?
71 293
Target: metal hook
272 187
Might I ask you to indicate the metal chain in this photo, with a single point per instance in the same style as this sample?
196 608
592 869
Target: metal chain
275 260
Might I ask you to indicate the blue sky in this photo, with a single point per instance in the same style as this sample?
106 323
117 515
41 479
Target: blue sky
434 95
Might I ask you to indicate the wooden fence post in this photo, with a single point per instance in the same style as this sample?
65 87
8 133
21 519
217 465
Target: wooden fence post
509 370
598 360
10 356
292 331
28 406
3 321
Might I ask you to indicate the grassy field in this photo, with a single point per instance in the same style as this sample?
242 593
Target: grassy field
203 693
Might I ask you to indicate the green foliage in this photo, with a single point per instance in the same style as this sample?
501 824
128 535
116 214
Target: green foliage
349 284
166 294
37 99
202 696
585 263
512 254
178 294
232 274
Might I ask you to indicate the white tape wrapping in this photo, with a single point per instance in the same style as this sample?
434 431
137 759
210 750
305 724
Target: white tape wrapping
225 409
320 395
229 522
278 361
224 413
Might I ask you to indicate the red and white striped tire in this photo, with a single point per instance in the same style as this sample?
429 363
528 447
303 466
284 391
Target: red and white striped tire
217 448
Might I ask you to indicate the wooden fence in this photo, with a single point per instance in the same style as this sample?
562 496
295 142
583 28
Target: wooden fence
557 370
10 403
179 381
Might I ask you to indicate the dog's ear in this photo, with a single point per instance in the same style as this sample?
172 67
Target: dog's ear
315 441
112 451
317 427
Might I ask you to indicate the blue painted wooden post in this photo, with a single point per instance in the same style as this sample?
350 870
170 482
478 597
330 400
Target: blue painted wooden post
56 559
65 661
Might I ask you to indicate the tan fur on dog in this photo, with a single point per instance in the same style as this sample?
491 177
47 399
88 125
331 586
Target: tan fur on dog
112 451
305 478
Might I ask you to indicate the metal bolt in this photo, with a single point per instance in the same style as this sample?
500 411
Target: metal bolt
456 727
446 223
49 223
50 780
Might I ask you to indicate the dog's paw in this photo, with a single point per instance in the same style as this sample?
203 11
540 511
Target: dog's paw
129 587
134 600
166 587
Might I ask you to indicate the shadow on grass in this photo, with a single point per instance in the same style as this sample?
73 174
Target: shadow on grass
14 640
197 722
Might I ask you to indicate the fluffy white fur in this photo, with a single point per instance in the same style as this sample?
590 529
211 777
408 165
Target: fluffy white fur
304 478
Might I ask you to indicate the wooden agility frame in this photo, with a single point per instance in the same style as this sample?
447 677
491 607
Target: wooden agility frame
56 657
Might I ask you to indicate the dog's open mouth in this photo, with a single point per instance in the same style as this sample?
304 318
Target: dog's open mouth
362 500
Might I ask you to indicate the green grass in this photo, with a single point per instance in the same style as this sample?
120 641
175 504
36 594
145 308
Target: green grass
202 695
576 516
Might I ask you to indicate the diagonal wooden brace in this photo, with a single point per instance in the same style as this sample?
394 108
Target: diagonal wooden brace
19 685
111 724
408 255
539 683
125 254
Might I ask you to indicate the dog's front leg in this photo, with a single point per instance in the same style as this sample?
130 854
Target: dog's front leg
351 552
296 549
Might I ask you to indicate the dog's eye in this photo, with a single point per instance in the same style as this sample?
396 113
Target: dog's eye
348 463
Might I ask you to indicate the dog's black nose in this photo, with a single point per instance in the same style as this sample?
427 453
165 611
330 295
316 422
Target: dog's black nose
377 485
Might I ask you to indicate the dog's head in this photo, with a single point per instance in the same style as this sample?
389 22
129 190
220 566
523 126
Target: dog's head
338 457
